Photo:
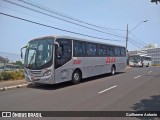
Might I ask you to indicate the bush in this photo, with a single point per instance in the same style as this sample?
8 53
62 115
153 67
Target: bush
0 76
11 75
6 75
17 75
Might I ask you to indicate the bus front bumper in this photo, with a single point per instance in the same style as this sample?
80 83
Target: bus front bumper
43 80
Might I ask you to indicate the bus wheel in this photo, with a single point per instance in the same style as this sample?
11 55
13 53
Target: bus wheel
76 77
147 65
113 70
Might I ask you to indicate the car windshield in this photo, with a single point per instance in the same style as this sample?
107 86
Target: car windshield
39 53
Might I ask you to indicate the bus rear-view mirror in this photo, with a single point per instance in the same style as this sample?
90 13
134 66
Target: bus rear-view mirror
22 51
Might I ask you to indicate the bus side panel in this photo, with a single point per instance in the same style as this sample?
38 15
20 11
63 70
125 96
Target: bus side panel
63 74
89 66
147 63
120 63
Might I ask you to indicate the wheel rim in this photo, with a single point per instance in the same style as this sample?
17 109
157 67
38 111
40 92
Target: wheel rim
113 71
76 76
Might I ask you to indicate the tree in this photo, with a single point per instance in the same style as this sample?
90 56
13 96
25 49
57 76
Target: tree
19 63
156 1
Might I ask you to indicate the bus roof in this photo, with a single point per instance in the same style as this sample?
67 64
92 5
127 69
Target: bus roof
74 38
141 55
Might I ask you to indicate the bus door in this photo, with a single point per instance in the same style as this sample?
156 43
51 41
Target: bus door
62 65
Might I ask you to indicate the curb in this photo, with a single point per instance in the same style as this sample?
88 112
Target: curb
13 87
128 67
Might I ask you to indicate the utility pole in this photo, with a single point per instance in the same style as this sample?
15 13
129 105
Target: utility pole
127 39
127 46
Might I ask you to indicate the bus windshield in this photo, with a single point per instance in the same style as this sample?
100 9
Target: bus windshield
135 58
39 54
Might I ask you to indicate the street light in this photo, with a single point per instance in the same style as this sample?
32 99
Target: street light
131 31
138 25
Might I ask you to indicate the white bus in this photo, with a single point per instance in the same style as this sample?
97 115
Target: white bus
140 60
56 59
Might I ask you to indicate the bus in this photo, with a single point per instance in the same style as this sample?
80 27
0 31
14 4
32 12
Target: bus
56 59
140 60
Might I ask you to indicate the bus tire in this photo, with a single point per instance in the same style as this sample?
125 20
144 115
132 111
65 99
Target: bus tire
76 77
113 70
147 65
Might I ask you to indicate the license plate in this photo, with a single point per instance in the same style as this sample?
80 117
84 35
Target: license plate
35 78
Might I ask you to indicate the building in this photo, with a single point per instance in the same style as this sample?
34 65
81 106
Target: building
150 50
155 54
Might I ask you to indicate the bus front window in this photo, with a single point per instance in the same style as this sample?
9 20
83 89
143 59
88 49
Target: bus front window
39 54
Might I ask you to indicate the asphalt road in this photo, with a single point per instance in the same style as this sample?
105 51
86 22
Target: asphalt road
134 89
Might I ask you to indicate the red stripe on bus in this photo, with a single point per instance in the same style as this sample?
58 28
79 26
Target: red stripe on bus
77 62
110 60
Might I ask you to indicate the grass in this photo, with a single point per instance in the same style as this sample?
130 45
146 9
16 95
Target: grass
156 65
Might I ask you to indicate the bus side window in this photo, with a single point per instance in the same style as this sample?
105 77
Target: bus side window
79 49
104 50
117 51
122 50
111 51
99 50
75 49
107 50
83 48
91 49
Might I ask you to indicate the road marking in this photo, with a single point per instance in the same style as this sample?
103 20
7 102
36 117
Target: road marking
107 89
149 71
137 77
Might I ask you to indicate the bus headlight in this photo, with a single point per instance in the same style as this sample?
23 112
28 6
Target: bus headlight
47 73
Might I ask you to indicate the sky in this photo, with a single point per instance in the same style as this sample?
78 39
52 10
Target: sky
114 15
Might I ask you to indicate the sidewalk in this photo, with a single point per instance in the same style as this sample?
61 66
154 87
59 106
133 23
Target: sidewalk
128 67
5 85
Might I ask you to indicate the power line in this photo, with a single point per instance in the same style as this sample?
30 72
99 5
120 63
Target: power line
56 27
134 44
62 19
138 38
41 18
63 15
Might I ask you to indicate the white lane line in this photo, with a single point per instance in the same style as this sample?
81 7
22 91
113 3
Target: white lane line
149 71
137 77
107 89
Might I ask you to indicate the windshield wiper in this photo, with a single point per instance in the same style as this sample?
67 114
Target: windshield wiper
29 65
